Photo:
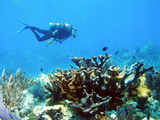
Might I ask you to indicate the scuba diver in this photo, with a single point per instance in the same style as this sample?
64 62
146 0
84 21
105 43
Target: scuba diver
57 32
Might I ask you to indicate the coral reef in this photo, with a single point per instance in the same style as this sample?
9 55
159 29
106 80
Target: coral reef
94 86
51 114
100 116
38 89
92 89
56 112
12 87
153 82
126 112
5 114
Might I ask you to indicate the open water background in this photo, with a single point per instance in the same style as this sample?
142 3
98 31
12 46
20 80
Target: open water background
117 24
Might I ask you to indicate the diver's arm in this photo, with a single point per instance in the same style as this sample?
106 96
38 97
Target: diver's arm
54 33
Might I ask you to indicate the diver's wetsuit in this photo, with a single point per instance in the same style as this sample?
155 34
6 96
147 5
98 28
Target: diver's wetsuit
47 34
62 33
58 34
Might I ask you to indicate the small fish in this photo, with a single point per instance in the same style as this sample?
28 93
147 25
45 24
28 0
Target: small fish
137 49
106 54
41 69
116 52
105 48
134 57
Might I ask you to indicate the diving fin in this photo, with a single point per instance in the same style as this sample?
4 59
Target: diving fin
26 27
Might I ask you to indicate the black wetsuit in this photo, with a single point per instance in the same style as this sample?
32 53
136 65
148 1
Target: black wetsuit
59 34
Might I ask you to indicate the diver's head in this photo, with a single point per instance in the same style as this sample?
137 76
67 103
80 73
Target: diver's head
74 32
69 28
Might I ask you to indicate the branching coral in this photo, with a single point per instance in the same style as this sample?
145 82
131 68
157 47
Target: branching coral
98 62
12 87
137 81
92 87
153 82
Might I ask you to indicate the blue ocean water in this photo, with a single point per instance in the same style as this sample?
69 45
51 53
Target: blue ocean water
117 24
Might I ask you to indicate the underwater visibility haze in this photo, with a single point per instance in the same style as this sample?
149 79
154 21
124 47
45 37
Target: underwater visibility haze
115 46
116 24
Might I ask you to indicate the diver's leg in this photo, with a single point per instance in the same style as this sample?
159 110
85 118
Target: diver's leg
39 30
43 38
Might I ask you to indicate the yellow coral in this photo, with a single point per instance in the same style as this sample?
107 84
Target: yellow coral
100 116
69 87
142 89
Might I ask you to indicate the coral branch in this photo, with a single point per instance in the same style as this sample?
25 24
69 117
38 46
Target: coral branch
94 88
